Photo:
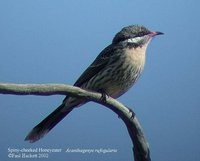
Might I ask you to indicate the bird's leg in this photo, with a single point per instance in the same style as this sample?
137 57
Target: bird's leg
103 95
131 112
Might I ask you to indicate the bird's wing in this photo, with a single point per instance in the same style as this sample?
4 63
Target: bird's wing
99 63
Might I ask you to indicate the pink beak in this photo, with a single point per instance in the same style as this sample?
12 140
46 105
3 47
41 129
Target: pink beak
156 33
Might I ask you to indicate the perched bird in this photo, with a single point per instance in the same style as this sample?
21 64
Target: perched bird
113 72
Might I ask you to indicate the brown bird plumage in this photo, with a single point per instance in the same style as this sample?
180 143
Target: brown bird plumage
113 72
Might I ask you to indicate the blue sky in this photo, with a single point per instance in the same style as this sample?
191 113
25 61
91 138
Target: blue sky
54 41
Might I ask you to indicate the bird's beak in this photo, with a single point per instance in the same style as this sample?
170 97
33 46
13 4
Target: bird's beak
159 33
156 33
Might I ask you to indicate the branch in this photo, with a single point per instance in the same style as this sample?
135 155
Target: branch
140 150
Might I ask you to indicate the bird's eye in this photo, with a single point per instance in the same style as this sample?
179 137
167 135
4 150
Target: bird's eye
140 34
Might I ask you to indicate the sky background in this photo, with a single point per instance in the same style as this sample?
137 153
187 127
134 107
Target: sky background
54 41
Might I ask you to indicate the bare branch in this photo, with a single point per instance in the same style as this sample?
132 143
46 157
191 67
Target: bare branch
140 150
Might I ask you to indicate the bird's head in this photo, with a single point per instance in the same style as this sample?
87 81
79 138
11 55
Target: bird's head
135 35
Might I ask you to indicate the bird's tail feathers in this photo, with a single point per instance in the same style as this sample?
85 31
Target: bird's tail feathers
48 123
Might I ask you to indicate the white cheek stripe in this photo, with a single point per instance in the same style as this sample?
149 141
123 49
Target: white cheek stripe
134 40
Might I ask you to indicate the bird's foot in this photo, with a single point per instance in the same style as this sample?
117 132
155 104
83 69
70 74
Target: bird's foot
104 95
132 113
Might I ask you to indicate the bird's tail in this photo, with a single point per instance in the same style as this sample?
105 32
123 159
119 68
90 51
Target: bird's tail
49 122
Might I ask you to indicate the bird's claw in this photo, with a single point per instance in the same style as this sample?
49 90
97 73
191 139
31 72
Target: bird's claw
104 95
132 113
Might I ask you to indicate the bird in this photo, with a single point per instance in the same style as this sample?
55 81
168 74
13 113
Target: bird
114 71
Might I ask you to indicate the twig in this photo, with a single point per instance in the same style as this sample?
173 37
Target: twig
140 150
